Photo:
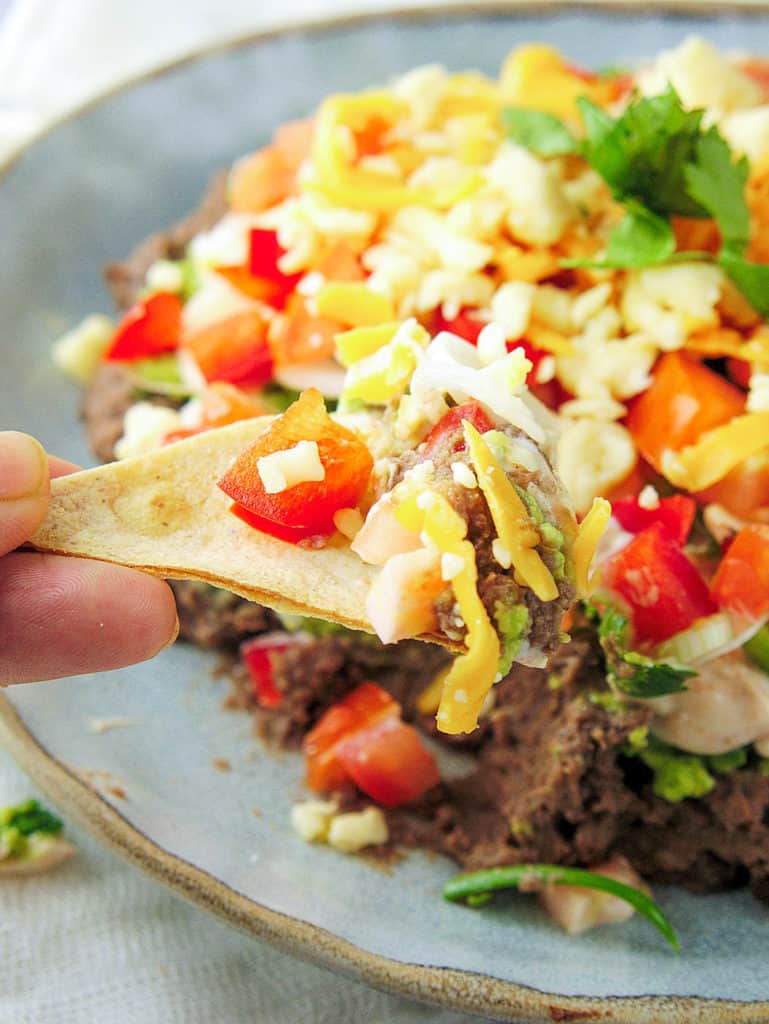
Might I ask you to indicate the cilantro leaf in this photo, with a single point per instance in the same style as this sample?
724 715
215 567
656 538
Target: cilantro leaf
542 133
641 239
752 279
717 183
643 153
633 673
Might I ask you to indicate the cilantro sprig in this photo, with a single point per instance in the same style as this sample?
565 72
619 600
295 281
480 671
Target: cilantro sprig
659 162
631 672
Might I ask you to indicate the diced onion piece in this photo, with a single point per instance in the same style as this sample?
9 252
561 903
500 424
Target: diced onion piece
698 641
79 351
576 909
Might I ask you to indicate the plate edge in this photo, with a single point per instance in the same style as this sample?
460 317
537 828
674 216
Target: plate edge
436 8
450 988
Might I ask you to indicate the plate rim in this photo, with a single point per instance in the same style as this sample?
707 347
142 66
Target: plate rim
393 9
450 988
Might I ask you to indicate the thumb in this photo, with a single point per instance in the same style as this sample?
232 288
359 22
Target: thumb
24 488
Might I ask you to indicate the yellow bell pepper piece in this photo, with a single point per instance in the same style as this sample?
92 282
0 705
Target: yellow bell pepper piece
538 78
351 302
518 534
363 341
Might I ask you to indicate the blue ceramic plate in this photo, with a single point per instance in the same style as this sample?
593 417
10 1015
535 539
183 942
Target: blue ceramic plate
85 194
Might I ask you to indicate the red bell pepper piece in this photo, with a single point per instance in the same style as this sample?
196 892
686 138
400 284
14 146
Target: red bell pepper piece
675 515
662 589
684 400
451 422
151 326
263 256
362 738
308 506
741 582
464 325
256 656
234 350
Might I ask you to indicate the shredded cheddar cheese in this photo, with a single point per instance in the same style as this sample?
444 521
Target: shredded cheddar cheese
472 674
717 452
517 533
586 542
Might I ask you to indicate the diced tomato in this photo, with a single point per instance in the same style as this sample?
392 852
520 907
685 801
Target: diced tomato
388 762
675 515
739 371
630 486
233 350
684 400
299 336
741 582
664 592
362 738
222 404
757 68
151 326
308 506
340 262
259 181
256 655
744 491
363 707
451 422
464 324
293 140
533 354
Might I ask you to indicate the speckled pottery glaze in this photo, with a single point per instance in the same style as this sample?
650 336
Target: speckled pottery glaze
86 193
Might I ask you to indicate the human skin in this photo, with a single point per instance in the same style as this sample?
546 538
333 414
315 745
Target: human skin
65 616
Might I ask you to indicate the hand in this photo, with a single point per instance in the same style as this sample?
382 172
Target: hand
64 616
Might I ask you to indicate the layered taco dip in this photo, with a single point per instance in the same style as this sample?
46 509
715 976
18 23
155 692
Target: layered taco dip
511 334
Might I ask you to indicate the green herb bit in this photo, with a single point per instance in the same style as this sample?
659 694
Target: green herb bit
757 648
632 672
482 883
542 133
30 817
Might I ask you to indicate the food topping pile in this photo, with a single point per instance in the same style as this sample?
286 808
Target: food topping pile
477 306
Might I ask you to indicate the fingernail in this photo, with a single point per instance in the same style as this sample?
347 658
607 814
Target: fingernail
174 636
23 466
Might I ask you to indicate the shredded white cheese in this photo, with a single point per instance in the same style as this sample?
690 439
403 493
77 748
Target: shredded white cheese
282 470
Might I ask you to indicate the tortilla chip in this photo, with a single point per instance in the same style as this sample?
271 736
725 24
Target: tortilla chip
163 513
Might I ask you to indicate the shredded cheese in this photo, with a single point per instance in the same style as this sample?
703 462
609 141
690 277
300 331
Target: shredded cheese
472 674
518 535
284 469
717 452
589 534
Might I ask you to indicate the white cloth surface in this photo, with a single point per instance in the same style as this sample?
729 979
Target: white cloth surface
96 940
